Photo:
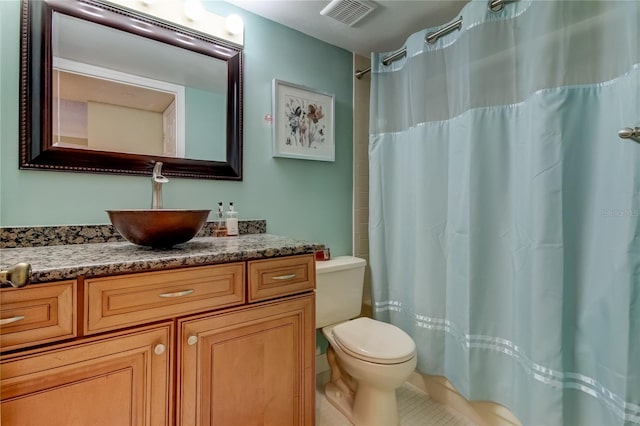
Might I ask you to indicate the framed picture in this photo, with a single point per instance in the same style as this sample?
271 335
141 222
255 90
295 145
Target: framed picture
303 125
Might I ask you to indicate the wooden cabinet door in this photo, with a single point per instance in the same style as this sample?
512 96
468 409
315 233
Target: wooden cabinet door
251 366
119 379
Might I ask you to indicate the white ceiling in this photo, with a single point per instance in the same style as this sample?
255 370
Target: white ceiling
384 30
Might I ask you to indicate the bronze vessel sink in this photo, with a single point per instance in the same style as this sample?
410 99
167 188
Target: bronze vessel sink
158 228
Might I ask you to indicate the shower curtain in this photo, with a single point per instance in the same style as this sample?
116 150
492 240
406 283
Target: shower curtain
505 210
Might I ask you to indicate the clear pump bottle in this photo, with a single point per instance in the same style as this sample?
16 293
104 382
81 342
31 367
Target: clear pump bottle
220 228
232 221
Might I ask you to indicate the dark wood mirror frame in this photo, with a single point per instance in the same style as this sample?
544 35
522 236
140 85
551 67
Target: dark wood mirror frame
36 147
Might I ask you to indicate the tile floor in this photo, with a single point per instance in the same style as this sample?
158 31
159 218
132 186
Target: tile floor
416 409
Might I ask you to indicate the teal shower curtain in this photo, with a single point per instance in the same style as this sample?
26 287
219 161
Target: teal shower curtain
505 210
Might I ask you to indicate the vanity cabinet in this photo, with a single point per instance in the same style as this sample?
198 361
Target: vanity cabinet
120 379
186 346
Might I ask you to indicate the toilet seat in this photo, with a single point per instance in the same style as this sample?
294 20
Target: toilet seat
374 341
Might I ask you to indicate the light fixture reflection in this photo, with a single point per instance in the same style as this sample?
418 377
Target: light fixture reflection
193 9
234 24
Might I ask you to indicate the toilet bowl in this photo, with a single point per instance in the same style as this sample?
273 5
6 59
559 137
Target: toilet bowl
379 357
369 359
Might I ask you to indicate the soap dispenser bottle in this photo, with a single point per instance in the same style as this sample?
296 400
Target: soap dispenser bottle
220 229
232 221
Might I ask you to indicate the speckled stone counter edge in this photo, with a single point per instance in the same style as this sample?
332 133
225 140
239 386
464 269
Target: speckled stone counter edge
40 236
53 263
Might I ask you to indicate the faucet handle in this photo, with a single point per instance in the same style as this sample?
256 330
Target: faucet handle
156 186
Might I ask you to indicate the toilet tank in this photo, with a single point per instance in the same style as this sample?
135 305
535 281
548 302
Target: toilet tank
339 285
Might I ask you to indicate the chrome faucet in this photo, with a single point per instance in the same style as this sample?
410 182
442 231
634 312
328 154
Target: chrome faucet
156 181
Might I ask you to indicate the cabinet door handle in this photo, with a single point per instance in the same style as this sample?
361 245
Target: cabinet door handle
177 293
11 320
285 277
17 275
192 340
159 349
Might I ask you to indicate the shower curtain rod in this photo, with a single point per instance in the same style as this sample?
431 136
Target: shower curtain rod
493 5
386 61
429 38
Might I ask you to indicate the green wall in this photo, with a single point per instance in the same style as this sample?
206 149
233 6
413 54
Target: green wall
205 119
310 200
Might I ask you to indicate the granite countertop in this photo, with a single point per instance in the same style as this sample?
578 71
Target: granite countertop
60 262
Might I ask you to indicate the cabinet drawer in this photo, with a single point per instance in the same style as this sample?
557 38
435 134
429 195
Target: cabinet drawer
125 300
282 276
38 314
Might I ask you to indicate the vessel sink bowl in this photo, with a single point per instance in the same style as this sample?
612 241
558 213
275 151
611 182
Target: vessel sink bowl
158 228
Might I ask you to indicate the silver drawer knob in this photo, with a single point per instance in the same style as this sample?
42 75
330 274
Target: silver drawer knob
192 340
11 320
285 277
159 349
177 293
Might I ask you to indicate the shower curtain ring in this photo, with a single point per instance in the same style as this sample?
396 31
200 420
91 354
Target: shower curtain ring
496 5
630 133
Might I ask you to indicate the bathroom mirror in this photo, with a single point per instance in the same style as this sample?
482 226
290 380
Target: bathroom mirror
109 90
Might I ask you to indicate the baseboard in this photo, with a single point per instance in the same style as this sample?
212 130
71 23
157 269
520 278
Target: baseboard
483 413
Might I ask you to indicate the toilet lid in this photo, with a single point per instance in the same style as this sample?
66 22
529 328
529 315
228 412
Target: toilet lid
374 341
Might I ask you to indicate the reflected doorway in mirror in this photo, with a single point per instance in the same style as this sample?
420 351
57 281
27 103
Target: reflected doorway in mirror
102 109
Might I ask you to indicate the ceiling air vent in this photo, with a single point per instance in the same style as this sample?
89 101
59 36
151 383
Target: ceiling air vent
348 11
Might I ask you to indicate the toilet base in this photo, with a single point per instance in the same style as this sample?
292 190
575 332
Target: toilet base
341 388
371 407
374 407
362 404
339 399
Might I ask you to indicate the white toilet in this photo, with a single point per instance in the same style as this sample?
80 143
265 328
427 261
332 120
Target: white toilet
369 359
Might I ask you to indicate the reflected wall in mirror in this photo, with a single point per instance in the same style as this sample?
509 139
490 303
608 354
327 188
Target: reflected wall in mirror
120 91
